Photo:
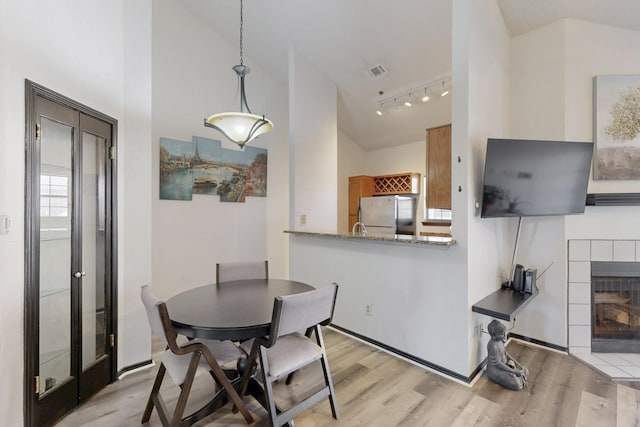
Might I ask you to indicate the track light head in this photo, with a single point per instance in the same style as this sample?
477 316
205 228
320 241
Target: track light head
444 92
407 103
425 97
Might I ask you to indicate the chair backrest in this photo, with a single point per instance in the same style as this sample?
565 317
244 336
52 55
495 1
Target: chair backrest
298 312
154 313
228 271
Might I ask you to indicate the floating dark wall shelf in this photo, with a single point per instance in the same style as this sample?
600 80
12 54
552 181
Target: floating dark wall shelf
503 304
613 199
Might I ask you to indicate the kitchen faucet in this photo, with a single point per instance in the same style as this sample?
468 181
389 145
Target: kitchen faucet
362 228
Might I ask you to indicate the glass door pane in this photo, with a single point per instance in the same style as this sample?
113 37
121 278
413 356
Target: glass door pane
94 328
55 254
69 255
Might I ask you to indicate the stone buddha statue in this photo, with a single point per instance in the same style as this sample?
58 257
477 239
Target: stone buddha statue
501 367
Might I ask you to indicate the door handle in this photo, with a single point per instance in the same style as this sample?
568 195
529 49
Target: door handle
79 274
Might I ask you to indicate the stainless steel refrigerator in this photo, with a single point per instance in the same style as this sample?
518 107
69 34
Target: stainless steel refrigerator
388 214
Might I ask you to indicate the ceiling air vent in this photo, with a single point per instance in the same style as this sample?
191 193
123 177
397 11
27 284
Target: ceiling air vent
376 71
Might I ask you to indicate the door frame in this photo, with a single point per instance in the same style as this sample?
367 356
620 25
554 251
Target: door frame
31 258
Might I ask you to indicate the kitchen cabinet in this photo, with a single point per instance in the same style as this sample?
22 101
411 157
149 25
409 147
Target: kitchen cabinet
439 168
399 183
359 186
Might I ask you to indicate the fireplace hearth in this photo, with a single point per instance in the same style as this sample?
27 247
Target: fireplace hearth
615 307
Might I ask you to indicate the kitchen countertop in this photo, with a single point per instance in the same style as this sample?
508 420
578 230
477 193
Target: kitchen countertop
385 238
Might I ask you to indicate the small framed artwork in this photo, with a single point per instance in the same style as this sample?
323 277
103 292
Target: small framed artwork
616 127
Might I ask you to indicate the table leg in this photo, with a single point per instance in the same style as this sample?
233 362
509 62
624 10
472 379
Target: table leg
254 389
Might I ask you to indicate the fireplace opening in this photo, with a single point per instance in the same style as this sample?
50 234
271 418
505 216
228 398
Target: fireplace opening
615 307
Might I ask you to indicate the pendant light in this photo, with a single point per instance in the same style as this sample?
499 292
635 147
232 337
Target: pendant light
243 126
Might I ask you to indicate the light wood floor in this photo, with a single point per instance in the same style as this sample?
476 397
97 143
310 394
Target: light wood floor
377 389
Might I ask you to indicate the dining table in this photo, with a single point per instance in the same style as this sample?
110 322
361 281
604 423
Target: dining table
236 310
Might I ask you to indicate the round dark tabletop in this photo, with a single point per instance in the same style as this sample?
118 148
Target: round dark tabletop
236 310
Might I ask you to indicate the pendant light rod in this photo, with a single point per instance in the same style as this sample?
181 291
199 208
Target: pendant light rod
241 31
242 71
243 126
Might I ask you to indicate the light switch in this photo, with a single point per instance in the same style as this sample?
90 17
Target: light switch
5 224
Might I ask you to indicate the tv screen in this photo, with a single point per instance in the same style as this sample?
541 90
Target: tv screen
535 178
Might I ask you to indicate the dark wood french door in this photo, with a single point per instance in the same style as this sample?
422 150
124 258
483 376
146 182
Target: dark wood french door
70 269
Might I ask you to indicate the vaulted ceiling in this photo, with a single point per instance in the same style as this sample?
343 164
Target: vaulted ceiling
411 39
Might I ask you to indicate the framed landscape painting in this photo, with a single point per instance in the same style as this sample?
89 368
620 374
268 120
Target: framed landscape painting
616 127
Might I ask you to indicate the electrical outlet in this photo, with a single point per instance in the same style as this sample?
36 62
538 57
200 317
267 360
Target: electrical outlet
368 309
303 219
478 330
5 224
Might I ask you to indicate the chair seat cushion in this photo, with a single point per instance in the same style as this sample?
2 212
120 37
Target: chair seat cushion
290 353
225 352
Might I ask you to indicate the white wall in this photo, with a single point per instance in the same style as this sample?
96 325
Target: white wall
313 144
604 222
480 74
351 162
58 47
536 90
551 98
134 181
192 79
418 299
538 61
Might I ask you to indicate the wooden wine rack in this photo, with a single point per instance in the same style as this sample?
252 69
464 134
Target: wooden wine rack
402 183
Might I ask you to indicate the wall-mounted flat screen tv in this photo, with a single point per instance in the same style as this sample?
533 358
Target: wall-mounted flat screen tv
535 178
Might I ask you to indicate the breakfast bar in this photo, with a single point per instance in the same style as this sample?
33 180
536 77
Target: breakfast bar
383 238
402 293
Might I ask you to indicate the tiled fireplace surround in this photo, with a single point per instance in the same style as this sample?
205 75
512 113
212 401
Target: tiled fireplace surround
581 253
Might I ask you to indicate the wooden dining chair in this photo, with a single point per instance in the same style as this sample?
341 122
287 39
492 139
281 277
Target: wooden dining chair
286 350
240 270
184 363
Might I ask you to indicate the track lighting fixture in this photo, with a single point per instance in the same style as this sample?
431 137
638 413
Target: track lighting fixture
409 94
